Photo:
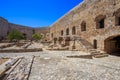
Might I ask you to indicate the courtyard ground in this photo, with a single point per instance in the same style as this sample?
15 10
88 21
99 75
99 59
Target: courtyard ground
54 65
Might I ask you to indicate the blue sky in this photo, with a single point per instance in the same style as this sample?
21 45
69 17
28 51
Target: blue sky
35 13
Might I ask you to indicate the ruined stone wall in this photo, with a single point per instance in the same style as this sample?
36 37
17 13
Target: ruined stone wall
44 31
4 28
89 12
28 31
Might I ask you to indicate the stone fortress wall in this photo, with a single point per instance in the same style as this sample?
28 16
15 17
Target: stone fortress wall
45 33
27 31
93 24
6 28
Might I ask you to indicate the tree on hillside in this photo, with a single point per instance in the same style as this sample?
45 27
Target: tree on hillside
15 35
36 36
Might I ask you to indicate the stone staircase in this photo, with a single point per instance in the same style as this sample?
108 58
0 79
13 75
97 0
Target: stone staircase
98 53
85 46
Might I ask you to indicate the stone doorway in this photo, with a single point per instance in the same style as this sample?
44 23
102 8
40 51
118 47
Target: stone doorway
95 44
55 40
60 40
112 45
67 41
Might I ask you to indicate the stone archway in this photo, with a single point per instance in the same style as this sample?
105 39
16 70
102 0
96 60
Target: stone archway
112 45
100 21
95 44
67 41
83 26
55 40
60 40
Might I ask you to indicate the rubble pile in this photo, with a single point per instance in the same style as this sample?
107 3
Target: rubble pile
20 47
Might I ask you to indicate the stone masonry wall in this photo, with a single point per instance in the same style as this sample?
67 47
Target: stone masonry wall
6 28
89 12
28 31
44 31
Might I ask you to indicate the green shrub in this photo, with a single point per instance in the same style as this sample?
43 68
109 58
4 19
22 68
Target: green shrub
15 35
36 36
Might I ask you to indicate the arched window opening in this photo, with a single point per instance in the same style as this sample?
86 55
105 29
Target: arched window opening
74 30
52 35
100 21
117 18
67 31
62 33
83 26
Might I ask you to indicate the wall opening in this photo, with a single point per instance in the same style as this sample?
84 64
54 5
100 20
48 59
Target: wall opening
112 45
67 41
100 21
67 31
55 40
74 30
33 31
60 40
117 17
62 33
25 36
1 38
117 21
83 26
52 35
95 44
